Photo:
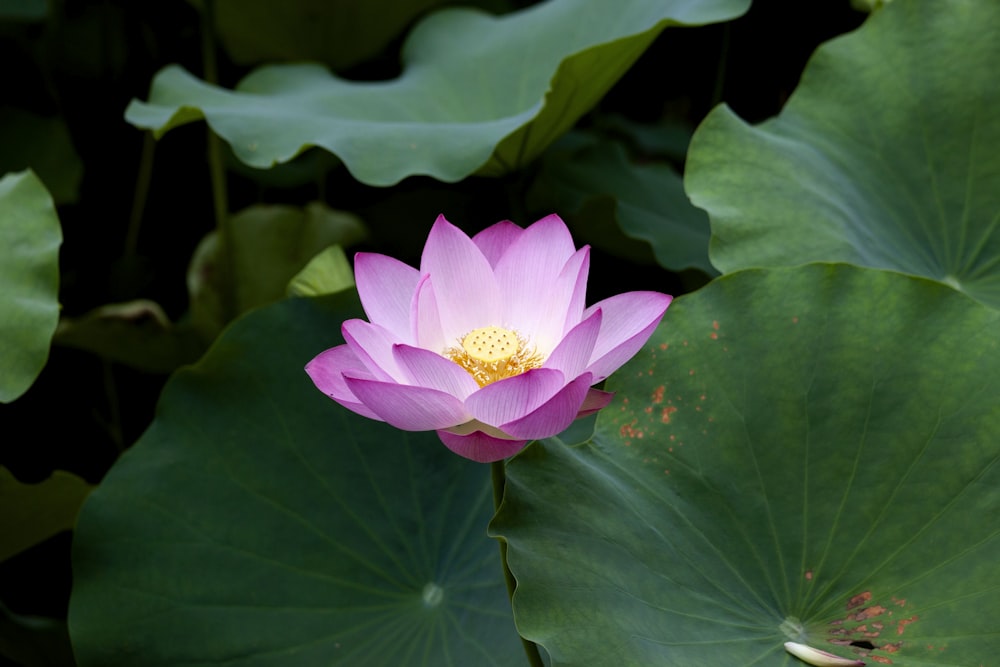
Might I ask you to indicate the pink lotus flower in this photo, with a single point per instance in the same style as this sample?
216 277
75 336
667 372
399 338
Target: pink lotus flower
488 343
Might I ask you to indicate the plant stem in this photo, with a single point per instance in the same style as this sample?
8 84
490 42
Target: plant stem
217 172
142 181
499 477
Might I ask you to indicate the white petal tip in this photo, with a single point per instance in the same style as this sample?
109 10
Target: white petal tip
814 656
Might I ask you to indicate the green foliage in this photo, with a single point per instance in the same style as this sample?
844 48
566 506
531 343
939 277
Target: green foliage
42 144
258 523
339 34
798 454
29 271
32 513
597 183
806 450
882 157
479 94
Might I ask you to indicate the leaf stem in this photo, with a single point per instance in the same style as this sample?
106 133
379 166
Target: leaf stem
217 172
499 477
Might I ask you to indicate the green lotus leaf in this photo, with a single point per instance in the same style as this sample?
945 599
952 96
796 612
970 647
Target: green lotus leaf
44 145
258 523
648 202
798 454
883 156
29 271
339 33
32 513
478 94
23 10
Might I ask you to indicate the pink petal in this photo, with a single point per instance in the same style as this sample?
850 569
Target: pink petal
575 274
406 407
373 346
481 447
495 239
629 320
326 371
386 287
527 275
595 400
573 353
510 399
554 415
425 320
429 369
466 292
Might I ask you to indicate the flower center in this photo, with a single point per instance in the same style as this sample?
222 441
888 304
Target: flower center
494 353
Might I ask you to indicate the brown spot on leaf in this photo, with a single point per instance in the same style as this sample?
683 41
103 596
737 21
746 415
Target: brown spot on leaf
901 625
658 394
859 599
665 414
867 612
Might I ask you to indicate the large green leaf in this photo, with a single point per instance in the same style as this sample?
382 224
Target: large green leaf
478 93
647 201
29 271
258 523
807 454
43 144
338 33
885 155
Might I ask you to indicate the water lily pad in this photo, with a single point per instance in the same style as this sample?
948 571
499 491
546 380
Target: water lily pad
883 156
807 454
257 523
30 237
478 93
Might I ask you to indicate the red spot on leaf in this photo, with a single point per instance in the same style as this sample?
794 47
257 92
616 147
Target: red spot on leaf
665 414
713 336
715 324
809 575
658 394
